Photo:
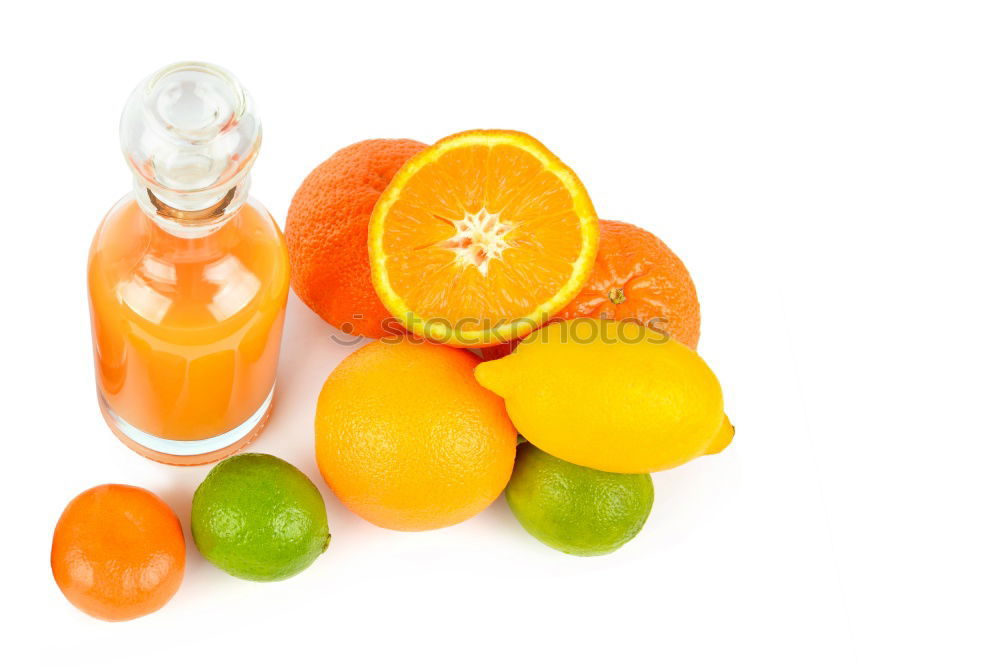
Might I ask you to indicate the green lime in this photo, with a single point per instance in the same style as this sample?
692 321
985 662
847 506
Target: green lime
259 518
580 511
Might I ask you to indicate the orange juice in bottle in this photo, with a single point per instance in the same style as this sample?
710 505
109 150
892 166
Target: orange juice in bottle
188 277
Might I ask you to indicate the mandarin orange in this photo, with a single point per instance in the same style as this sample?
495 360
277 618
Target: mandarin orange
327 233
635 276
481 238
118 552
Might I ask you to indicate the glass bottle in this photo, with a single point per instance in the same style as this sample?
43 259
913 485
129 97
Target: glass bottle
187 277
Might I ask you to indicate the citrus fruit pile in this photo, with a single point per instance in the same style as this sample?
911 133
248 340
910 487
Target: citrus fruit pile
584 332
523 346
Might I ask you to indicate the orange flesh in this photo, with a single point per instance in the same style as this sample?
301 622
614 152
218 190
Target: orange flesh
481 236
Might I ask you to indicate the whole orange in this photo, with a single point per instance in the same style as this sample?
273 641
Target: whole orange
118 552
327 233
407 438
635 276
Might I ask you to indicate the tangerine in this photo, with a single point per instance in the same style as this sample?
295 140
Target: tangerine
327 234
118 552
635 276
481 238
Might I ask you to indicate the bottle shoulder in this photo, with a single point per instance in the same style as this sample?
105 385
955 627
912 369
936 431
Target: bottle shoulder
170 280
127 233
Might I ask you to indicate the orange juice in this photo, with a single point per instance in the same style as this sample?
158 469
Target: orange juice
187 277
186 331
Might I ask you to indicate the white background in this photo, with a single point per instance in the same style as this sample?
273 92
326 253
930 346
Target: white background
827 170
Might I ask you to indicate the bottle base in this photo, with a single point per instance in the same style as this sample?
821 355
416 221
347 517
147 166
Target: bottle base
188 452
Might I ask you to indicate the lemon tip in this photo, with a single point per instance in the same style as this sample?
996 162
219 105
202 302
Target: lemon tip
722 438
487 374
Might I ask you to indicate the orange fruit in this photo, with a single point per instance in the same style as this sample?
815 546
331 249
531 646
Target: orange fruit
636 276
407 438
118 552
327 233
480 238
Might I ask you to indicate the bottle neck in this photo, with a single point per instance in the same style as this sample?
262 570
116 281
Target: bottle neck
191 214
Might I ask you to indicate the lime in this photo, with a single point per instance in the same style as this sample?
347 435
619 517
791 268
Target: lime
580 511
258 517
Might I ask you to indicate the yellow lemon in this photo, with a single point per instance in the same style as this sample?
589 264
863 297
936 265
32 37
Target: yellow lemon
615 396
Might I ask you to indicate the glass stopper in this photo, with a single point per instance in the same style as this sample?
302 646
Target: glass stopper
190 134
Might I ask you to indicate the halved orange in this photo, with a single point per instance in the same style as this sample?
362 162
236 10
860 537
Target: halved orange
481 238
